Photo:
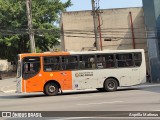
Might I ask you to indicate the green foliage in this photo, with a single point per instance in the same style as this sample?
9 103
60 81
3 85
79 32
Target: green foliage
14 38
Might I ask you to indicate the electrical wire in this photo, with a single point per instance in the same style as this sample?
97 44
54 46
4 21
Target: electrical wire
106 33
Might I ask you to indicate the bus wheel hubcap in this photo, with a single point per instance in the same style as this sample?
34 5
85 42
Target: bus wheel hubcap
52 89
111 85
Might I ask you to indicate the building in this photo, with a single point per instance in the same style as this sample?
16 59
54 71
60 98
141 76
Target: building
152 23
116 29
120 29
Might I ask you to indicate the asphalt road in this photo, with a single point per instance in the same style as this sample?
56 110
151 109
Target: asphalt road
143 98
127 99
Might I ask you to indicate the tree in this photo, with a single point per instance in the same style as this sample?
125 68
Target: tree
14 38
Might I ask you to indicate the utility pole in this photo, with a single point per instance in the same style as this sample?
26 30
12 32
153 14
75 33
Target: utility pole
31 33
95 20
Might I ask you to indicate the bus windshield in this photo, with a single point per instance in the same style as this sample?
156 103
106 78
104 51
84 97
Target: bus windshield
31 67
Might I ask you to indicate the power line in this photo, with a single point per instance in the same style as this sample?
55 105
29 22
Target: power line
111 32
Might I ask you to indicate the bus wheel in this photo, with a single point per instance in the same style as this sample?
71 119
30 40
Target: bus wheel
51 89
110 85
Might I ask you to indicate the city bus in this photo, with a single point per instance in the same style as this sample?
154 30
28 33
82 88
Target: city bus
52 72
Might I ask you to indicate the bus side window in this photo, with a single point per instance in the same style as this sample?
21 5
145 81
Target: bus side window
69 62
100 62
110 61
81 63
87 62
105 61
124 60
92 62
120 60
51 64
137 59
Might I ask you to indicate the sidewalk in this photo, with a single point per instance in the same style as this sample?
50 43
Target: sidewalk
146 84
8 85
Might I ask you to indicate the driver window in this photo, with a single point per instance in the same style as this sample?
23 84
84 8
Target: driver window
31 67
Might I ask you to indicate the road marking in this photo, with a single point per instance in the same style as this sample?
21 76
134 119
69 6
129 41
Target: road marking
102 103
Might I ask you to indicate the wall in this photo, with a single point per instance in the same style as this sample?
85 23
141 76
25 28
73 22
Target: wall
6 66
78 30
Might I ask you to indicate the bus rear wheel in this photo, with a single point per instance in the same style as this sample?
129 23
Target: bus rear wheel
51 89
110 85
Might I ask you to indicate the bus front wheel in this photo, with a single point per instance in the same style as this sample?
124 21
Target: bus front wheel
51 89
110 85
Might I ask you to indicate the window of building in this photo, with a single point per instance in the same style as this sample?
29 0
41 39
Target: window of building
51 63
69 62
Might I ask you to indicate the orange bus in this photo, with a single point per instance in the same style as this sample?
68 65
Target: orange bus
102 70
